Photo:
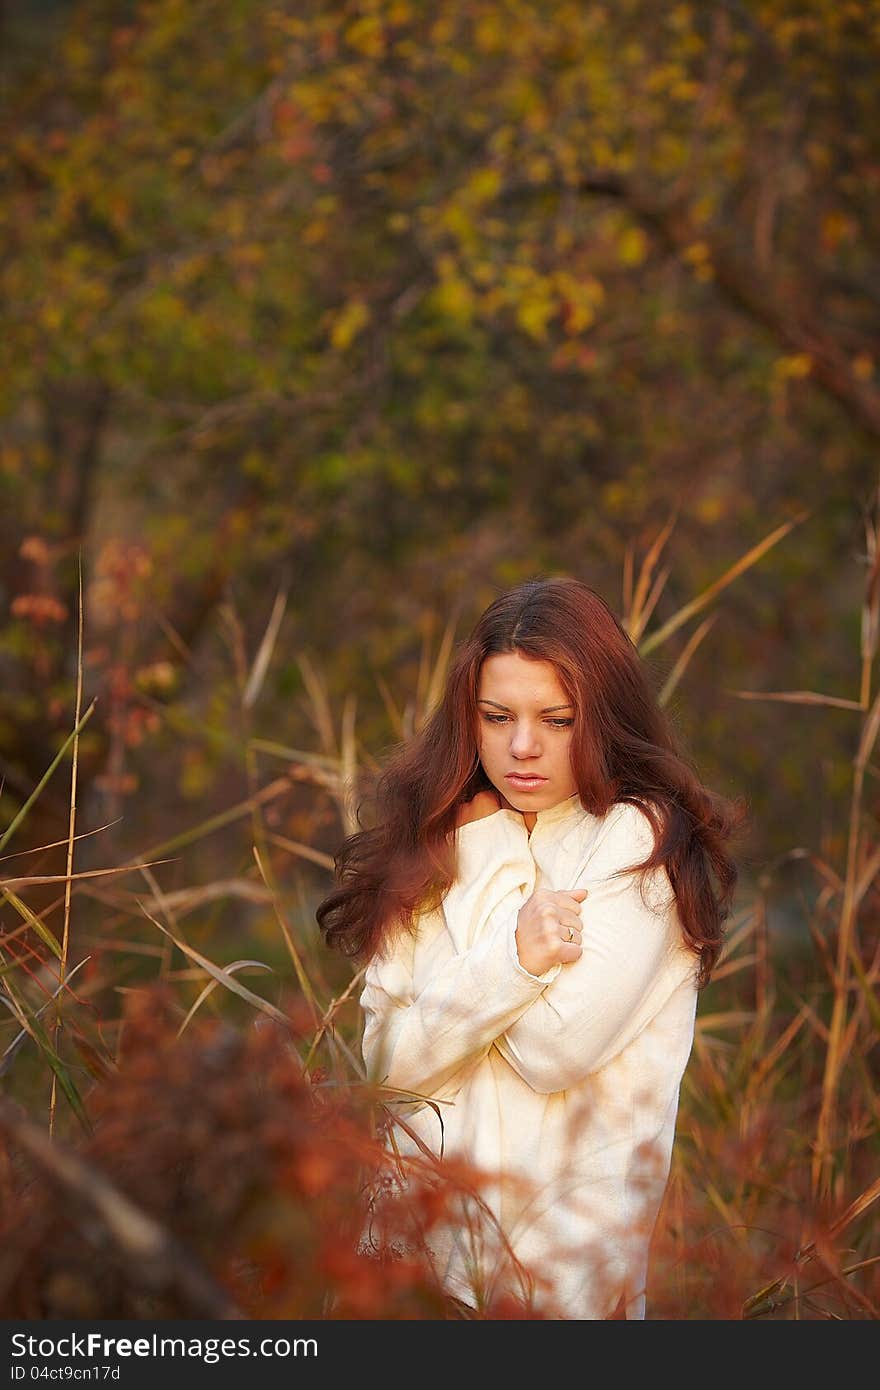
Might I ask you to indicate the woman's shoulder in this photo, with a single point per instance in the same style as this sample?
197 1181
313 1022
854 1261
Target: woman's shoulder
625 842
623 838
624 823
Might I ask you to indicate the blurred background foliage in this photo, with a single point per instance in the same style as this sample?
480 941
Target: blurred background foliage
392 305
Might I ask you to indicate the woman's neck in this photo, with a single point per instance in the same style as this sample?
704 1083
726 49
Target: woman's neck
529 817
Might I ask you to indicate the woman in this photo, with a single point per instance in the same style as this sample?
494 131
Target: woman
540 901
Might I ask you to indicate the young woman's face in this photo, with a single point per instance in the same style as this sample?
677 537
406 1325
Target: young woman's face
525 721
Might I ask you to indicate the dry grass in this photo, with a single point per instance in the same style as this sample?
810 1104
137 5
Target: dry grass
213 1151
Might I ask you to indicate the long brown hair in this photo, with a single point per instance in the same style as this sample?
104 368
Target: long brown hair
623 749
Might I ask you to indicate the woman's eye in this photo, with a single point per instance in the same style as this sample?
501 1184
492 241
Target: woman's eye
503 719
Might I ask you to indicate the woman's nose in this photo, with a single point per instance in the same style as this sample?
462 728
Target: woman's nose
524 742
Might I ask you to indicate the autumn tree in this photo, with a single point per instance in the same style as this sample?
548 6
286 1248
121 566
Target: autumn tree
348 292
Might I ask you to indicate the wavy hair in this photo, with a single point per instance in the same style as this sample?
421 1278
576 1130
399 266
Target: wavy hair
623 748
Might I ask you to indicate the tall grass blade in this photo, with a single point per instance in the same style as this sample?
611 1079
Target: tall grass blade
212 985
681 665
33 921
264 651
220 975
696 605
797 697
319 703
32 1025
35 794
637 614
8 1056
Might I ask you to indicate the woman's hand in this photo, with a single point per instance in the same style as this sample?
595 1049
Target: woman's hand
485 803
549 929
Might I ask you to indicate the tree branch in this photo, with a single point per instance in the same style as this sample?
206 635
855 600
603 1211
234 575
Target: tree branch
784 312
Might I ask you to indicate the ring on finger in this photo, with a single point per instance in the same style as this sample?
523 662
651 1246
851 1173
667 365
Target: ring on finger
571 933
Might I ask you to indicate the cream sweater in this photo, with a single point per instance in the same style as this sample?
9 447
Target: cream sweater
564 1086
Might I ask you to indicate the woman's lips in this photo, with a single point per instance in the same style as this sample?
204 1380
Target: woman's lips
524 780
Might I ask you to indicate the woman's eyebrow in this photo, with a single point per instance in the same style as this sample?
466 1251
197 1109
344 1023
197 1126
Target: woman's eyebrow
506 708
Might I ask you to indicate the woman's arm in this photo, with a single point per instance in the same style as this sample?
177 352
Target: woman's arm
477 987
633 957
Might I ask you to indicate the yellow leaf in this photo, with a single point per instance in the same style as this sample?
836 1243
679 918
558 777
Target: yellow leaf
443 29
533 313
632 246
165 310
483 185
539 168
799 364
348 323
696 253
454 298
579 299
456 220
488 35
366 36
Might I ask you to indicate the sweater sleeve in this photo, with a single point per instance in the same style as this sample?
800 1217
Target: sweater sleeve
475 987
633 957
